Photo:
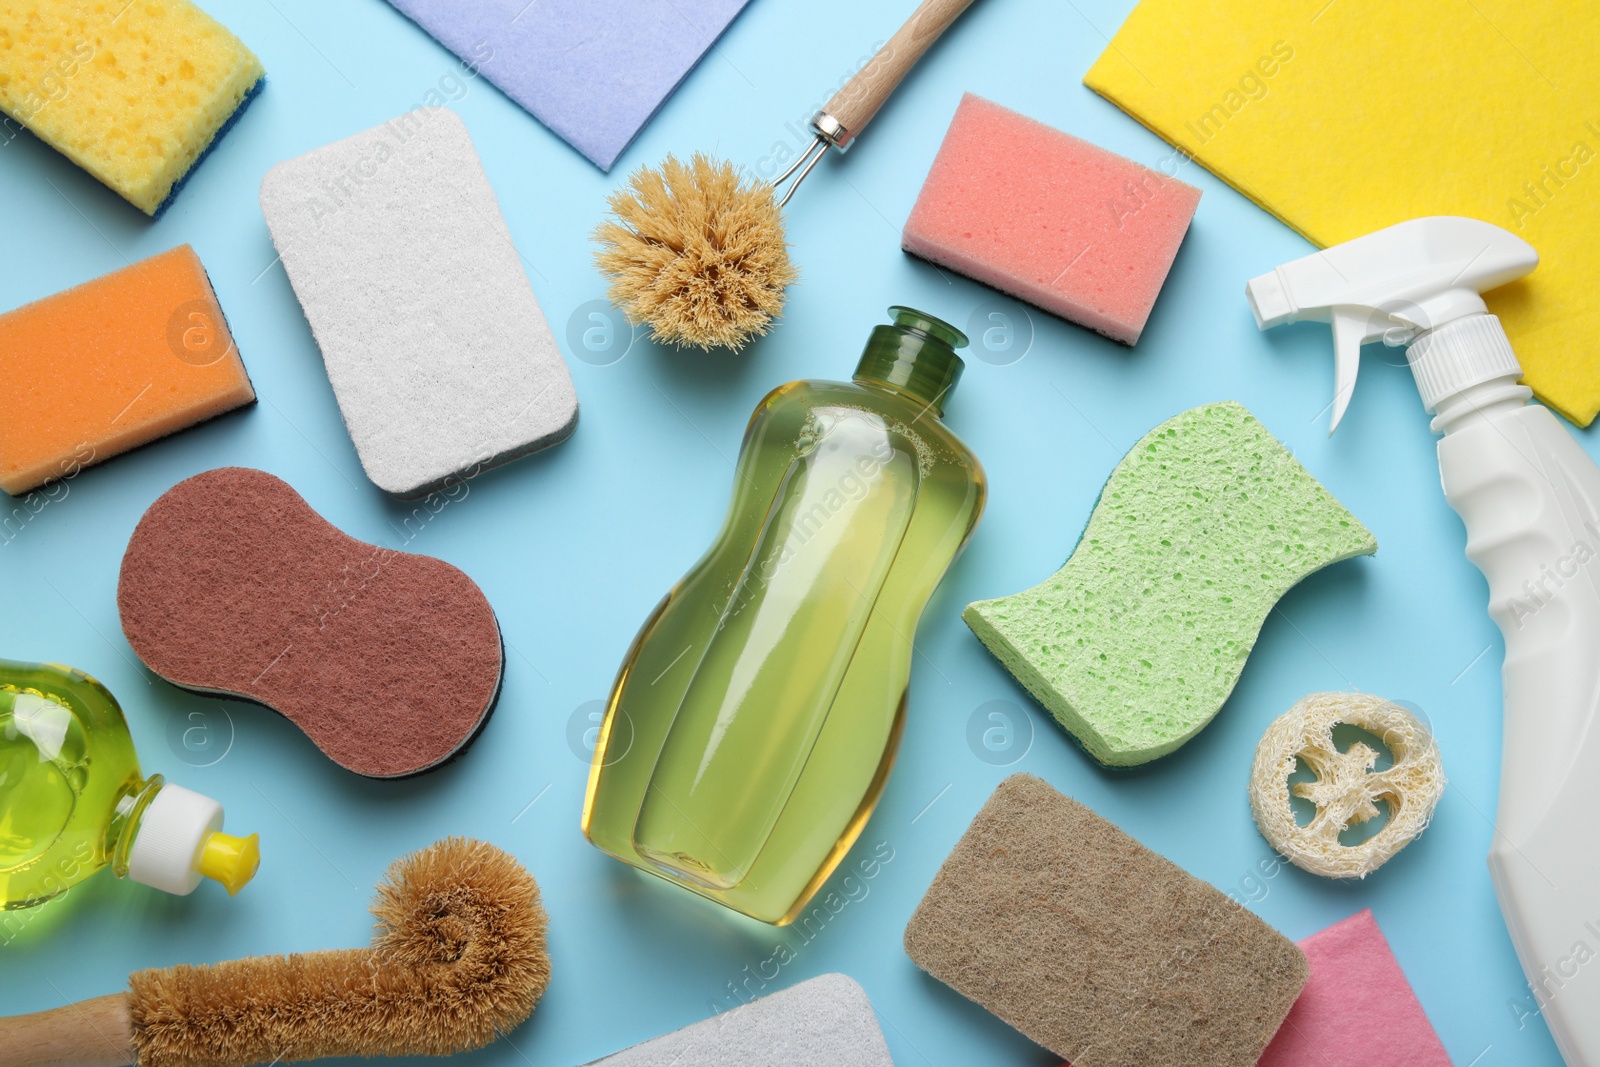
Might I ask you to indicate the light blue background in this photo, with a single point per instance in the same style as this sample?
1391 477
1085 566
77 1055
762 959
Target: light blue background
574 547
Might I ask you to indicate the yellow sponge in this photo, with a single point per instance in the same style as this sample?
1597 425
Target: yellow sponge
133 91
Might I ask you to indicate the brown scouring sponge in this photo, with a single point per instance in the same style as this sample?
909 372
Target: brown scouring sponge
1097 948
231 584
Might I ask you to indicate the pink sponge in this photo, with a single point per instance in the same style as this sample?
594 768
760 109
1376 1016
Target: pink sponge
1357 1009
1063 224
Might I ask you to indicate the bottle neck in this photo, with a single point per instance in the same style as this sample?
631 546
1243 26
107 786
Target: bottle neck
915 357
1466 372
1480 403
126 816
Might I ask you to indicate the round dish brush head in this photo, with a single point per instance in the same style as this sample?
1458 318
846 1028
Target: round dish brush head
697 251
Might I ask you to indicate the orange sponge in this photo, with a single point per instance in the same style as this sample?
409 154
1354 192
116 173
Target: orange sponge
110 365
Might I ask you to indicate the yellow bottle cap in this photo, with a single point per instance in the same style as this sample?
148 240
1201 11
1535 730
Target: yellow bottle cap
231 860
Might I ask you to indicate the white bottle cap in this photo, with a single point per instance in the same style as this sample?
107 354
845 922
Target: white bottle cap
175 827
1460 354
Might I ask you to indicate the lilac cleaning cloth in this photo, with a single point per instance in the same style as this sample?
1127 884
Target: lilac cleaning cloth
594 71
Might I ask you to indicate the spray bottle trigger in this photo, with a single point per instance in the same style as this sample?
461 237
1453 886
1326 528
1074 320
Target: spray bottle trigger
1353 326
1392 285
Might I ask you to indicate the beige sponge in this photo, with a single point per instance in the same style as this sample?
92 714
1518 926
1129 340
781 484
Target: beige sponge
1097 948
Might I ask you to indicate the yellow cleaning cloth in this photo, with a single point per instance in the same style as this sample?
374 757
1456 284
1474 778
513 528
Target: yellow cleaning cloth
1344 116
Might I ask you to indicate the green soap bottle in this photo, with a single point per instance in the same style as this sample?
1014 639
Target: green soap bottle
72 798
755 719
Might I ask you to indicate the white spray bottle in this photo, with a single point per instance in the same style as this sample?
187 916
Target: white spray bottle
1530 499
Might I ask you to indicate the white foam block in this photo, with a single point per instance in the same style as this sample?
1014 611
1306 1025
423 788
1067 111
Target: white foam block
442 362
826 1020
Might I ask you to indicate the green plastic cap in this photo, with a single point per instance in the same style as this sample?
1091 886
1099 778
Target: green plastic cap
916 356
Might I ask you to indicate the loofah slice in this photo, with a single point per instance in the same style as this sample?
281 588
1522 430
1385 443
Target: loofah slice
1346 790
1094 946
232 584
1137 641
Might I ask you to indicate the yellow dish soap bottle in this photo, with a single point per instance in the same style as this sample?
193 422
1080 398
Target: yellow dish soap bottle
755 719
72 798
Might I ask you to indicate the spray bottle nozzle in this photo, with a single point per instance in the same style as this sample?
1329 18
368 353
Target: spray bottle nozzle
1395 285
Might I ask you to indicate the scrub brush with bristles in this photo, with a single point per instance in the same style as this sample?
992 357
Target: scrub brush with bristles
459 959
697 249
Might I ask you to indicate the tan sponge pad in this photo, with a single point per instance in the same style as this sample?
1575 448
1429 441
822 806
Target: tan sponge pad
132 91
1097 948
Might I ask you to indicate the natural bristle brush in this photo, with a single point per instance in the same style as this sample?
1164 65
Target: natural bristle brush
697 249
458 960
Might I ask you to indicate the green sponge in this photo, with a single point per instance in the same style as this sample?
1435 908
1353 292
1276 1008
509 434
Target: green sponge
1136 642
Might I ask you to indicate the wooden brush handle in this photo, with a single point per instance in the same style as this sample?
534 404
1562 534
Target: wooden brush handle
91 1033
853 106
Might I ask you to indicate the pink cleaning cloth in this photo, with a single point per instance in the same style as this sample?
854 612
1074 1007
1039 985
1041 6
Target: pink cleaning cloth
1051 219
1357 1010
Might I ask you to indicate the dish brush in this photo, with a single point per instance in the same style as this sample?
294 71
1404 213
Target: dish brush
459 959
697 249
